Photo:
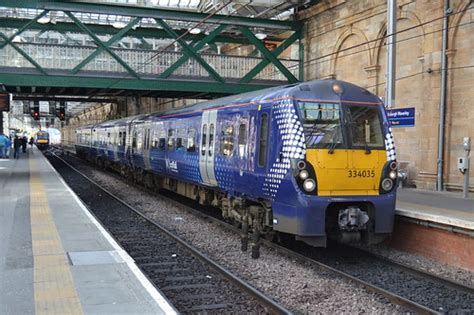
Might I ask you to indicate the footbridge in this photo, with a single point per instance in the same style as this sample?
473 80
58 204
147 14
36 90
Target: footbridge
99 49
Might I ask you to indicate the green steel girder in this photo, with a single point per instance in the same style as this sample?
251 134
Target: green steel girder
23 28
24 54
190 52
110 42
101 44
269 56
139 32
136 11
9 41
195 48
38 80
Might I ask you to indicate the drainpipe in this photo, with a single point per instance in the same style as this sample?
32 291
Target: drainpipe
391 53
442 101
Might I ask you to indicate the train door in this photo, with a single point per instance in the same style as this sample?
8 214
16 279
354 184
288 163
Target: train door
206 154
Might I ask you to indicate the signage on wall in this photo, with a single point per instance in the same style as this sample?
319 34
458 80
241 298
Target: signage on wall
401 117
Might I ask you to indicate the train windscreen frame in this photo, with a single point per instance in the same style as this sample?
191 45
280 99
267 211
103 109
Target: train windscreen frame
345 126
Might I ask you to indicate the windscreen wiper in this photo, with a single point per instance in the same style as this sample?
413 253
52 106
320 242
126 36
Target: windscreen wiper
367 149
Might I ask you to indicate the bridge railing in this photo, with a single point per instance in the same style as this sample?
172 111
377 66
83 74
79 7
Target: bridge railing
143 62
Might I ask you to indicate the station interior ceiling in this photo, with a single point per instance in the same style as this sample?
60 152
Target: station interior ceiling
79 100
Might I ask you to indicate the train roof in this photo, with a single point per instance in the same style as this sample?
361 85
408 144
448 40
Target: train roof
311 90
302 90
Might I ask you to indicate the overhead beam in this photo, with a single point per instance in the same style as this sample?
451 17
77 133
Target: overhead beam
63 81
268 55
146 32
159 13
63 99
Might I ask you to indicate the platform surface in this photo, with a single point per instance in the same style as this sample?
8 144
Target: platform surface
55 258
447 208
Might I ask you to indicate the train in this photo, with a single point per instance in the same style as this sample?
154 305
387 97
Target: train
42 140
312 161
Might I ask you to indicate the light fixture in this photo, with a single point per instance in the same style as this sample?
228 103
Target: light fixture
119 24
18 39
261 36
195 31
44 20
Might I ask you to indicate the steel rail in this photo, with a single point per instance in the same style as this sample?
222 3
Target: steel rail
259 296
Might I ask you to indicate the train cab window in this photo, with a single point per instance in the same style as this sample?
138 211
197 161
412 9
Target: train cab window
191 147
242 144
120 138
365 127
321 124
262 148
227 140
211 139
171 139
124 137
203 144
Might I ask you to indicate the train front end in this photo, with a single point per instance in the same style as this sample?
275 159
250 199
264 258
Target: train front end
347 178
42 140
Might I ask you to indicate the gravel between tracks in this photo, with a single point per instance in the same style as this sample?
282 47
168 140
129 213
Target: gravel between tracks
299 286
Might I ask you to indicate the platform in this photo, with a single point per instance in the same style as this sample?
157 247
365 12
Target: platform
54 255
437 225
447 208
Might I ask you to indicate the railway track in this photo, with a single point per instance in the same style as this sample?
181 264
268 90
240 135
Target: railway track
415 290
189 279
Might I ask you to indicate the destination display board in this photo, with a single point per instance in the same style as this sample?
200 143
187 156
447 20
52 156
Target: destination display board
401 117
4 102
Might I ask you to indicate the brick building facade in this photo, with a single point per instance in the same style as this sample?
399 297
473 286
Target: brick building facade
344 39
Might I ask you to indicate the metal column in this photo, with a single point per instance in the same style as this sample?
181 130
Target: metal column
391 53
442 101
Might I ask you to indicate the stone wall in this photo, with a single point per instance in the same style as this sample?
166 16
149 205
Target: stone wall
344 39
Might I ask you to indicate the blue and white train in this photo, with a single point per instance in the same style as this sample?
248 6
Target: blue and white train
313 160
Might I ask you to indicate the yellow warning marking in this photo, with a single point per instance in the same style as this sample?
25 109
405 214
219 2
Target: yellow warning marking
53 282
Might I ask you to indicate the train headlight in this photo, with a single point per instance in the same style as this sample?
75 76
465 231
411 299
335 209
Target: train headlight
393 175
393 165
301 165
387 184
337 88
309 185
304 174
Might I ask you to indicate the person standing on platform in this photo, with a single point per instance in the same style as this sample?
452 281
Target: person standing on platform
8 147
32 141
24 143
16 147
3 143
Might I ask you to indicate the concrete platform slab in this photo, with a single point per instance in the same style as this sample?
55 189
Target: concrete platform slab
54 255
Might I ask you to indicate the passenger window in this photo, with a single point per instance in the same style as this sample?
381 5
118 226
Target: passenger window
171 139
180 139
227 140
211 139
162 140
242 140
203 144
262 149
134 140
191 141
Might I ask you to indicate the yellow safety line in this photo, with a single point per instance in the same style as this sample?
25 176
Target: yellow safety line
54 289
